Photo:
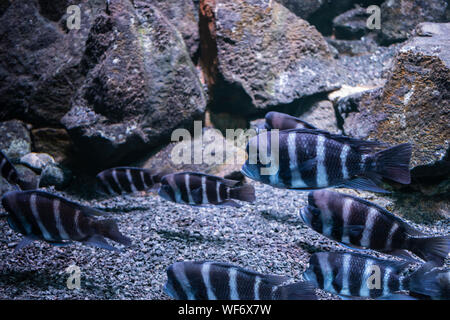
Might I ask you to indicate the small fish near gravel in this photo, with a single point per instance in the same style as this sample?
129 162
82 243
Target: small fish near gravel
357 222
39 215
201 189
122 180
204 280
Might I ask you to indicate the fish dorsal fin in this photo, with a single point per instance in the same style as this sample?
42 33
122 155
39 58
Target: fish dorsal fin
271 279
357 144
409 229
394 264
227 182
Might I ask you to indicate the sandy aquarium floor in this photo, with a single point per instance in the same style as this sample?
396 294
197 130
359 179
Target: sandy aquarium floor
267 236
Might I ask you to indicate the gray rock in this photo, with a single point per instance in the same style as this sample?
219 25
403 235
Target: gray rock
140 86
399 18
322 115
183 14
15 139
42 58
413 107
259 55
53 175
27 177
37 161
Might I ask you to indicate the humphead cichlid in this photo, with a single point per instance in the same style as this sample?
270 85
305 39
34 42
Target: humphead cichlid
202 189
40 215
120 180
358 275
205 280
314 159
357 222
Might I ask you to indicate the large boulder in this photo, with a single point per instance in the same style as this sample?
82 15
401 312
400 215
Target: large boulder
399 18
413 106
257 54
140 85
183 14
40 58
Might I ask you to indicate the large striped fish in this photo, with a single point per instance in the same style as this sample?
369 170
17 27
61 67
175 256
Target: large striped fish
120 180
283 121
313 159
40 215
202 189
357 222
204 280
357 275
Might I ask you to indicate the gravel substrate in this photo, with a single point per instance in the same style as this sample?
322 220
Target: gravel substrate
267 236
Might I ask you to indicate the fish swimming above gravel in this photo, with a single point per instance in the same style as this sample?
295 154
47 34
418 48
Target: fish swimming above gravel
306 159
203 280
120 180
283 121
357 222
202 189
39 215
358 275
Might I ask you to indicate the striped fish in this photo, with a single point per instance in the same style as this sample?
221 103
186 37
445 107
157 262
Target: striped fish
358 275
122 180
313 159
7 170
40 215
202 189
357 222
283 121
204 280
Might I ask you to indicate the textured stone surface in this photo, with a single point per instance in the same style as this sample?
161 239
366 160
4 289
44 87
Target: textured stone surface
140 86
322 116
258 55
399 18
183 14
351 24
40 59
54 175
15 139
37 161
414 103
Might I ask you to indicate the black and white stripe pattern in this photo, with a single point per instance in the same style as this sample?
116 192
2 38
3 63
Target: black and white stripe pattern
205 280
201 189
354 221
348 274
41 215
122 180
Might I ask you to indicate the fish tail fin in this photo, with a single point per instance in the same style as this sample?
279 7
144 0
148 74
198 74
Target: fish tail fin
430 281
431 248
109 229
393 163
244 193
303 290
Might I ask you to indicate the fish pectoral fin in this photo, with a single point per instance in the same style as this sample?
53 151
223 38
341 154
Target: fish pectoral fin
59 243
197 195
24 242
231 203
354 230
100 242
361 183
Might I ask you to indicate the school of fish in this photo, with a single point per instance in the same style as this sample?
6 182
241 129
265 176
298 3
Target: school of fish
286 153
